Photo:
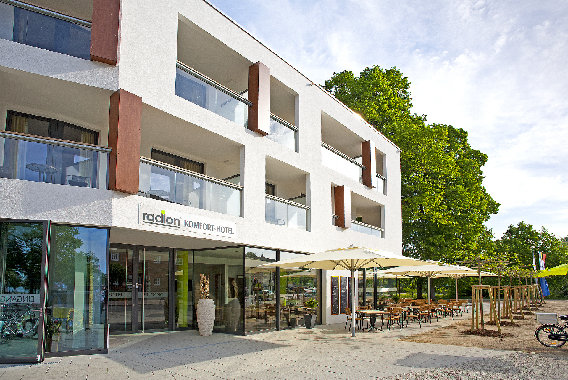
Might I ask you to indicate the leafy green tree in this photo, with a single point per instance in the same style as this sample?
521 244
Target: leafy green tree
444 203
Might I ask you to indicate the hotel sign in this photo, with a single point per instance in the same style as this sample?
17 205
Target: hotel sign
201 225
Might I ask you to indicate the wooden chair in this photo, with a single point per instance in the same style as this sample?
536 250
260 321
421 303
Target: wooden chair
358 320
413 314
395 316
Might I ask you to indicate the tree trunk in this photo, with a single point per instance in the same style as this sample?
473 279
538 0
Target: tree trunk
419 282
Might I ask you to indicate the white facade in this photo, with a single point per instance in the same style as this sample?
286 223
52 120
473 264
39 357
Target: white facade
153 37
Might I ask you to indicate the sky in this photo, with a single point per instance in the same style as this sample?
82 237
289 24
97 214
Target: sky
496 68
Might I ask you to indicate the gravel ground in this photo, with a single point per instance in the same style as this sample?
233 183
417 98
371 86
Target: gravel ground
326 352
506 367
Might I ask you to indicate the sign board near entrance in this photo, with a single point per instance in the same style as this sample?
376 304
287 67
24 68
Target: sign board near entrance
185 222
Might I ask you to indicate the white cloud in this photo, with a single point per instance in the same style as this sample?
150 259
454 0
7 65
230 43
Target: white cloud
495 68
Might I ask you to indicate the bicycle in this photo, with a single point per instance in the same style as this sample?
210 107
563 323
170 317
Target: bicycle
16 324
553 334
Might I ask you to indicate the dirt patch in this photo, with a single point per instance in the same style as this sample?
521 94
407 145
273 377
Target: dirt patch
516 337
485 332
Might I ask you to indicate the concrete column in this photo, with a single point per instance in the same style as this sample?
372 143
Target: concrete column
253 168
369 161
124 139
259 96
342 195
104 31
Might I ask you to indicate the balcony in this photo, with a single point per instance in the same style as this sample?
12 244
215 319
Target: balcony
205 92
45 29
54 161
367 228
166 182
379 182
283 212
341 163
283 132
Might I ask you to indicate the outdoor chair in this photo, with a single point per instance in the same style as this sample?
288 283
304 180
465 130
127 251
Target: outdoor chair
348 322
395 316
413 314
424 314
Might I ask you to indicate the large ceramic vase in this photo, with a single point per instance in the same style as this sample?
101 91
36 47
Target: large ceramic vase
205 316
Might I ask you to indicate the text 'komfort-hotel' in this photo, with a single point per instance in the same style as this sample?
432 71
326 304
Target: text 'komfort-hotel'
144 143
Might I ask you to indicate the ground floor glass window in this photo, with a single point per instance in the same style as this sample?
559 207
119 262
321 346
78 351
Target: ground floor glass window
76 305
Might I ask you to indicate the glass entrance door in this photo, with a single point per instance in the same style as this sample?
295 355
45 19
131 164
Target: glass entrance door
120 290
21 255
139 289
152 289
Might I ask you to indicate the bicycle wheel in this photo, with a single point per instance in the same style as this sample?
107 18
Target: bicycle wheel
29 324
543 332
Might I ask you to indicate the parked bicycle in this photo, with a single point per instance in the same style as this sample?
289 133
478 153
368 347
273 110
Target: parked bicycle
16 323
553 334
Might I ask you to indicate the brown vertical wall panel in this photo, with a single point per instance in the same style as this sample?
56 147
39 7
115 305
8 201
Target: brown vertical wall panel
259 96
104 31
368 155
125 116
342 199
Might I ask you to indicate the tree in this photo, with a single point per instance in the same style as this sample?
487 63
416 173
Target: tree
521 241
444 203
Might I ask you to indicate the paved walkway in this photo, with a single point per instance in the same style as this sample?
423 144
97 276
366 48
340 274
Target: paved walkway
326 352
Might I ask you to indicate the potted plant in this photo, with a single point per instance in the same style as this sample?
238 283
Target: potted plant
310 316
205 308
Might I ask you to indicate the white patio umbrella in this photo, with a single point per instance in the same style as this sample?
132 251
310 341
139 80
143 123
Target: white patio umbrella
304 273
352 259
431 270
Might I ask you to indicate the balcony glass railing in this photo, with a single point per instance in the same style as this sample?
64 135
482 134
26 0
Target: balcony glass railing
163 181
45 29
379 183
286 213
283 132
341 163
367 228
41 159
205 92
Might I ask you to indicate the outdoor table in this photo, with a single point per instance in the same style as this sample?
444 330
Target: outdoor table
373 318
42 170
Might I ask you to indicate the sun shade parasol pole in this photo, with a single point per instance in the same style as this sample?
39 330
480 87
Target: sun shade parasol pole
353 299
429 290
456 288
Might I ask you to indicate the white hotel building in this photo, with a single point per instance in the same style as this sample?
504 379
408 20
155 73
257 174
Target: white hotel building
143 144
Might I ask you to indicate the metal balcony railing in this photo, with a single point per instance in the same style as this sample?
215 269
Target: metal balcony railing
207 93
284 212
367 228
283 132
31 25
342 163
42 159
173 184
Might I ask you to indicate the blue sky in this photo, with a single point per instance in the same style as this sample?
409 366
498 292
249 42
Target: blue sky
494 68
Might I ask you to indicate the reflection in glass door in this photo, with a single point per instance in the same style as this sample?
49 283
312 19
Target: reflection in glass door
120 290
21 247
152 289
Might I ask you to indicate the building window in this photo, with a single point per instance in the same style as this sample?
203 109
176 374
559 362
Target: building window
270 189
114 256
157 281
45 127
157 259
180 162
